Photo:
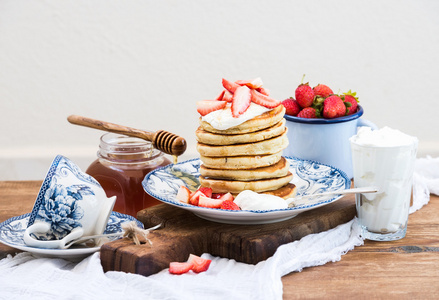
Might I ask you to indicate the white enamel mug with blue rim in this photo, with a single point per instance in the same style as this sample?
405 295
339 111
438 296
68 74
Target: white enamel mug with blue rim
69 205
324 140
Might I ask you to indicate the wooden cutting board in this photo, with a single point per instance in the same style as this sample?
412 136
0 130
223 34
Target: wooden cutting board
183 233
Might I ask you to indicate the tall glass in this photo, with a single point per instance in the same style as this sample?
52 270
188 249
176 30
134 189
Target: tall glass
386 161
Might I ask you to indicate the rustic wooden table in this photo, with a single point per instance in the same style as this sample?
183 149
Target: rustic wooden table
404 269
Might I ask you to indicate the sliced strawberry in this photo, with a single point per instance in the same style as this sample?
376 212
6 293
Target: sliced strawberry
263 91
217 195
204 201
227 197
180 267
227 96
205 107
199 264
241 101
183 194
220 96
263 100
207 191
253 84
230 86
229 205
195 197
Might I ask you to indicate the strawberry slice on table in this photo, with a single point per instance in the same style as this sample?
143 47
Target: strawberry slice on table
180 267
205 107
204 201
183 194
253 84
230 86
199 264
241 101
263 100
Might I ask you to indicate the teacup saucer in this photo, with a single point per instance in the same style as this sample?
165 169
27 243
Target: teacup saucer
12 230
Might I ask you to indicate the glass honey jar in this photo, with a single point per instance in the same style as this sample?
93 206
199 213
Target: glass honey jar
120 168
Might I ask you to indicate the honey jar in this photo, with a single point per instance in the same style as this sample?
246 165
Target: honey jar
120 168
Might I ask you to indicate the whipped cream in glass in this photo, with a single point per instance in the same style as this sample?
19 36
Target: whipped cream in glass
383 158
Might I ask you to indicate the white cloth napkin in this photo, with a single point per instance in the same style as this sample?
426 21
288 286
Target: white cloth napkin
425 181
26 277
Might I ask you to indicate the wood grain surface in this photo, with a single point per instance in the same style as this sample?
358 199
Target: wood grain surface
183 233
404 269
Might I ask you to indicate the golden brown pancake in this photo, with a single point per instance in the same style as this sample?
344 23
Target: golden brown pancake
236 186
264 147
210 138
260 122
279 169
285 192
241 162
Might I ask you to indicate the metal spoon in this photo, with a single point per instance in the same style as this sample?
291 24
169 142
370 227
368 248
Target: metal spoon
295 201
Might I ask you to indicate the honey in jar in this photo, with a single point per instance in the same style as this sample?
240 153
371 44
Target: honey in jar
120 168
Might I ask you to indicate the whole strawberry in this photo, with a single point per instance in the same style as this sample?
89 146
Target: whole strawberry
351 102
307 112
292 108
333 107
304 95
322 90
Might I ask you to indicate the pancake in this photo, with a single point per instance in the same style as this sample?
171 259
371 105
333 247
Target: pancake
241 162
263 121
285 192
264 147
279 169
236 186
210 138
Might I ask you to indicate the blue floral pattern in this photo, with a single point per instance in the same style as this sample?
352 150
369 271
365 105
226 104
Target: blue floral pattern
60 209
57 200
309 177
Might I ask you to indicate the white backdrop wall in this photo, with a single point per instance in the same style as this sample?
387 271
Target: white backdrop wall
145 63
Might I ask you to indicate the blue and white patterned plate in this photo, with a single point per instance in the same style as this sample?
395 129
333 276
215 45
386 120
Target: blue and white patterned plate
11 234
309 177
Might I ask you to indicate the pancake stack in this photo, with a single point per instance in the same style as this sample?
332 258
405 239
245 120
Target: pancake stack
247 156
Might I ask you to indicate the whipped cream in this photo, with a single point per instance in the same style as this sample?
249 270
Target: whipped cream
384 137
249 200
222 119
383 158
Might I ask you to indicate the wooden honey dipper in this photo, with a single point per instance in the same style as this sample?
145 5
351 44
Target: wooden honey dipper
162 140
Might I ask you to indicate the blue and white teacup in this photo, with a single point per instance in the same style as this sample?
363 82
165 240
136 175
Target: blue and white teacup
324 140
69 205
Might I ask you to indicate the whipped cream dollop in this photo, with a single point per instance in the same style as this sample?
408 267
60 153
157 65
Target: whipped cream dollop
249 200
383 137
222 119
